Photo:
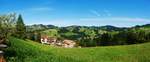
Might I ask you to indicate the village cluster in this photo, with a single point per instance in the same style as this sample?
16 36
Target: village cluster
53 41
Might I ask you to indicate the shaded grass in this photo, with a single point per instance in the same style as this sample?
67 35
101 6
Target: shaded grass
29 51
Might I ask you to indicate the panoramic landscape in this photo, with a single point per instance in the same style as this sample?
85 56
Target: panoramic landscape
74 31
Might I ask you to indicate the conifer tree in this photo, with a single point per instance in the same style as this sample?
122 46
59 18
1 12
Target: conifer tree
20 27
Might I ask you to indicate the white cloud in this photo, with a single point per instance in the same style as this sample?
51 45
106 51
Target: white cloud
119 19
32 10
107 13
106 10
104 13
95 12
40 9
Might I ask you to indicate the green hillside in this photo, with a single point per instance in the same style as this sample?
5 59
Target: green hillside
29 51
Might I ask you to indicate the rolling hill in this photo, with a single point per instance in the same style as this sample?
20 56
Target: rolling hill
29 51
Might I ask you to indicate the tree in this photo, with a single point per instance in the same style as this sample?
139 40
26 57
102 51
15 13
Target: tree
37 36
90 33
106 39
7 25
120 38
20 27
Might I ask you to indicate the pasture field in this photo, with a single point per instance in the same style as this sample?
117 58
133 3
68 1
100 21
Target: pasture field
29 51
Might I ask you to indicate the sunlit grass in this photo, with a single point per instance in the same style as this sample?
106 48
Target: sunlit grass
29 51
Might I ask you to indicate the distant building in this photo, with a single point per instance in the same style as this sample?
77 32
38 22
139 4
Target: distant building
44 39
68 44
53 41
48 40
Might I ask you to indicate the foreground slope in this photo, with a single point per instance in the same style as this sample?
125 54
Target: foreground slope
29 51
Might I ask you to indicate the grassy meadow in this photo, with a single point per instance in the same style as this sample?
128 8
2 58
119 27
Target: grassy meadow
29 51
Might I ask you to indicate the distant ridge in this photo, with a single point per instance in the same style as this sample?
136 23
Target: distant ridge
106 27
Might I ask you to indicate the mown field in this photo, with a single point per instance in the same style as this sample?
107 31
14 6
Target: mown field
29 51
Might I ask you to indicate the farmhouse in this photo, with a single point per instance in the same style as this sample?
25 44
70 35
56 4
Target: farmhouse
48 40
53 41
68 44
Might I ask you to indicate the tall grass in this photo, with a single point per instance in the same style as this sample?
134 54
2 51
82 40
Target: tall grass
29 51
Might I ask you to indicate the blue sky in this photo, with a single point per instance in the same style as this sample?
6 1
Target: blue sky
121 13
